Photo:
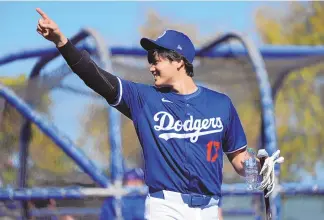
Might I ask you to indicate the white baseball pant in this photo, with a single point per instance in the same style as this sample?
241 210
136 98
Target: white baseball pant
172 207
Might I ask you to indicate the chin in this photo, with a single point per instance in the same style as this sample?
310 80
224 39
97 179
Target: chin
157 82
160 84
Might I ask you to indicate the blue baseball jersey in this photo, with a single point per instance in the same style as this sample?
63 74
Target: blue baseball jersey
183 136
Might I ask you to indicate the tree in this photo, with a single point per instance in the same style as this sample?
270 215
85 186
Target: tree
44 154
302 25
299 112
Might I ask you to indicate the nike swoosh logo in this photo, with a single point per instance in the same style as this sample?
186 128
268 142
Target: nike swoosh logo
165 100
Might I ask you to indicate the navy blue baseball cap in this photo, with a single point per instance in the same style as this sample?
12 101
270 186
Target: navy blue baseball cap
172 40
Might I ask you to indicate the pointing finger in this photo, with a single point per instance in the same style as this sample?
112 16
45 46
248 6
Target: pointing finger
43 14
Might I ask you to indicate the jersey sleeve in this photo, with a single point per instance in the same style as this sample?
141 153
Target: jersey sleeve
235 138
130 99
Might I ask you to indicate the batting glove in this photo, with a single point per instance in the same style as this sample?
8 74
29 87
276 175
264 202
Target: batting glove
268 173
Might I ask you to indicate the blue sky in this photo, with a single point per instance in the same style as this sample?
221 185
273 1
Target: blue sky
118 22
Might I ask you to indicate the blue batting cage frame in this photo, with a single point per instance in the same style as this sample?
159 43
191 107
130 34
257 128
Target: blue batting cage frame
268 129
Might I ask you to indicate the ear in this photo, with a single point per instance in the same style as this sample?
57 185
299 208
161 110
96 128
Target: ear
180 64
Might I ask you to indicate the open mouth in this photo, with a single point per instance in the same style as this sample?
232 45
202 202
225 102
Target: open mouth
155 75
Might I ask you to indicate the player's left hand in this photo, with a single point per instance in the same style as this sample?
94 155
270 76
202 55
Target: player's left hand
268 173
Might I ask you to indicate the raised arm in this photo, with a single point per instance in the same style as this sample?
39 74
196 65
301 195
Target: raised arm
101 81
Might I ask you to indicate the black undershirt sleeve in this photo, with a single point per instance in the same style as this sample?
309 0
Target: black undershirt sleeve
99 80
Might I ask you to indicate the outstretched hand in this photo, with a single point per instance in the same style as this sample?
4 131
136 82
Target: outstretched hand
49 29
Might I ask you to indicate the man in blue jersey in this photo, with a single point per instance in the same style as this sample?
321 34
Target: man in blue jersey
183 128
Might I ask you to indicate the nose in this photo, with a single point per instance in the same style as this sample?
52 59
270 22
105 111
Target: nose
152 68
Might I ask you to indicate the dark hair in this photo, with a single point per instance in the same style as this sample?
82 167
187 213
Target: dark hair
171 55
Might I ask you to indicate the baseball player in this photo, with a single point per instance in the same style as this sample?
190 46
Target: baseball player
183 128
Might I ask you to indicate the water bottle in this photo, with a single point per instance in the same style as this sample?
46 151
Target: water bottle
251 170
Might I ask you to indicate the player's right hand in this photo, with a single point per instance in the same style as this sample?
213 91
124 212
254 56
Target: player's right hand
50 30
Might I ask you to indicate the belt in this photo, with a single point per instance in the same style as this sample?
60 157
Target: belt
192 200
